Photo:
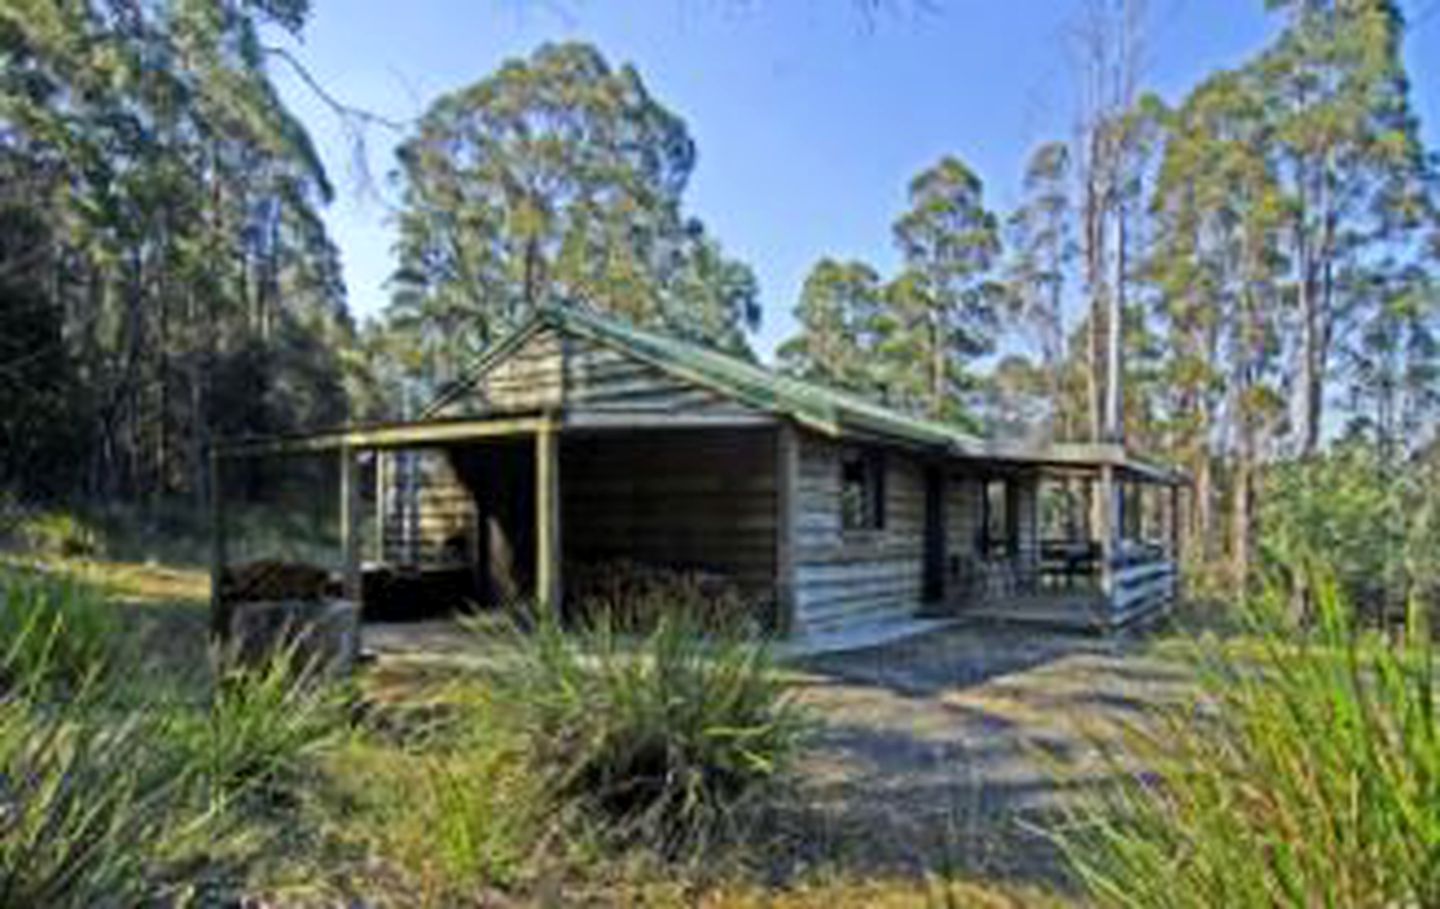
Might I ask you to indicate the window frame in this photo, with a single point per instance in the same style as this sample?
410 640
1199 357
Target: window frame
871 466
1004 541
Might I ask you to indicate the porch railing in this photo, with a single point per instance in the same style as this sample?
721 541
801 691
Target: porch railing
1142 573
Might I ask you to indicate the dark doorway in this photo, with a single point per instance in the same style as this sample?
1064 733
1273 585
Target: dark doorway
934 584
501 477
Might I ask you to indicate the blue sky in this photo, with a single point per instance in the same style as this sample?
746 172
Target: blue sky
810 115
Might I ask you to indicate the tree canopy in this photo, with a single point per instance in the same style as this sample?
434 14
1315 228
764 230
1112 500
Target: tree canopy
559 178
162 248
910 340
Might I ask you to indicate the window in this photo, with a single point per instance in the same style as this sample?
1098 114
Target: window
862 490
997 535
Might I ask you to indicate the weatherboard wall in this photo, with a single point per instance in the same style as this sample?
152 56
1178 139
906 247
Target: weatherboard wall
711 500
845 576
701 500
429 513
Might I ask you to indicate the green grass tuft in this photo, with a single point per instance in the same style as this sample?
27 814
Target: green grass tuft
1306 773
263 727
667 737
55 630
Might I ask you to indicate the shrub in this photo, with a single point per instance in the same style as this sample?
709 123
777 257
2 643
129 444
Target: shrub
59 534
666 737
91 812
264 722
1374 525
1307 774
54 630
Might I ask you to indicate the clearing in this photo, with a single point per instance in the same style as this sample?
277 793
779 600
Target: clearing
950 750
950 753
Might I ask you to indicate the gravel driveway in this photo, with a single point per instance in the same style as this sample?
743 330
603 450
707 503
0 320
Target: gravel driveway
955 748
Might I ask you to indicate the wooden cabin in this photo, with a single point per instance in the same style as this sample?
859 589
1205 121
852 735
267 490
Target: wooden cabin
580 440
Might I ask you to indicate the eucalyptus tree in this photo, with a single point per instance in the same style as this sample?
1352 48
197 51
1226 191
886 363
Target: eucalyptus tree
711 298
1344 143
839 306
1218 265
179 200
1392 363
557 178
942 310
1109 61
1042 239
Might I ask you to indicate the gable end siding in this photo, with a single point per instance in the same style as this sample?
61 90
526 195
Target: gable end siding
530 378
603 378
552 370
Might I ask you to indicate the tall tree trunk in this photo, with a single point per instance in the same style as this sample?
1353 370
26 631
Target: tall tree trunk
1202 509
1242 515
937 368
1115 328
1095 280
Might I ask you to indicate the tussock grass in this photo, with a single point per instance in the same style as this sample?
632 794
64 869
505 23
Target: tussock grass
55 630
94 814
263 726
56 533
1306 773
115 791
463 817
668 738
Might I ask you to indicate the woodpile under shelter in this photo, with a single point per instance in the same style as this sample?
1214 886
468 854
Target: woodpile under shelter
580 440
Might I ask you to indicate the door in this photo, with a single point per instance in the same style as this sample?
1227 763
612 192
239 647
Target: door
934 581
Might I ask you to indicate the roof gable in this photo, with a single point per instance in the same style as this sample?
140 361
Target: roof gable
818 407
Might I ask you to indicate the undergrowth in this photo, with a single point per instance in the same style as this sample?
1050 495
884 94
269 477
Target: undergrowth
1306 773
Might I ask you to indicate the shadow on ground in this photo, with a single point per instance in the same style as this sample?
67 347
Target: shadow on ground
960 750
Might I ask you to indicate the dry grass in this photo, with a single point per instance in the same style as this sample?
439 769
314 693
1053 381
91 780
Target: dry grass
141 582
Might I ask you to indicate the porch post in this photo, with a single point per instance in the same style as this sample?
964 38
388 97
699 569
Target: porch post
382 464
349 524
1175 522
787 471
1108 513
549 585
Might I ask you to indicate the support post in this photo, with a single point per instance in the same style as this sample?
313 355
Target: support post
1175 523
1108 513
219 620
382 496
549 583
787 483
349 524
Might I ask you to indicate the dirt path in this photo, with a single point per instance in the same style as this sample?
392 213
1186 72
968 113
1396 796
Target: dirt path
955 749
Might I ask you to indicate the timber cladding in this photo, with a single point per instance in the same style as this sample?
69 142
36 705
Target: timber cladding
695 499
530 378
598 377
843 575
724 501
429 513
550 370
